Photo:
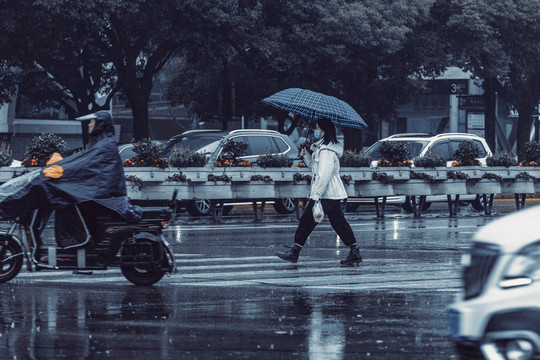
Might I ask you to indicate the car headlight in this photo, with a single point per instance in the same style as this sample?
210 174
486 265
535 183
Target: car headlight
524 268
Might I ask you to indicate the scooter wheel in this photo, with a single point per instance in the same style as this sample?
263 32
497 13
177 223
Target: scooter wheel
11 258
141 275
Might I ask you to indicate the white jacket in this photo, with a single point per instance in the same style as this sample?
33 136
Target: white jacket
324 163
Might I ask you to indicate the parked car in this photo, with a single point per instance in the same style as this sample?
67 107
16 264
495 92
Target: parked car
420 145
497 314
210 142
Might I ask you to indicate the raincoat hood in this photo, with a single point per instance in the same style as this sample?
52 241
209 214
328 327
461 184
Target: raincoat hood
95 174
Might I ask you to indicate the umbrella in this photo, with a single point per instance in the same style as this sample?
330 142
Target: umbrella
314 105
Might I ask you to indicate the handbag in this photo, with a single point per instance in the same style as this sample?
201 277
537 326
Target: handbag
318 212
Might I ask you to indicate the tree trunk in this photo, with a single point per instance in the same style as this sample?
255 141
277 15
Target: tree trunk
140 120
353 139
524 124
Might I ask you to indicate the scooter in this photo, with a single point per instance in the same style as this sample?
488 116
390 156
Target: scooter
104 240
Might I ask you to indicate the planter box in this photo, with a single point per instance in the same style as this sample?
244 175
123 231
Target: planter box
149 174
437 173
373 189
449 187
283 174
291 190
504 172
212 190
483 186
474 172
196 175
357 174
159 191
518 186
254 190
399 173
412 187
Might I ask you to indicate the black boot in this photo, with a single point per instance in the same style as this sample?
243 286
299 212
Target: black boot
353 257
291 254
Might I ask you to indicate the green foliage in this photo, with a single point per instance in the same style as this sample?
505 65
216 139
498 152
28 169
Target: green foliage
346 179
41 149
216 178
394 153
529 155
383 177
457 175
502 159
181 158
422 176
148 154
298 178
267 179
525 176
430 160
466 154
274 161
179 178
6 158
136 181
354 159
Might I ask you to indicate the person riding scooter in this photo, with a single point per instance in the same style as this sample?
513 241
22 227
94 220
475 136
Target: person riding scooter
95 174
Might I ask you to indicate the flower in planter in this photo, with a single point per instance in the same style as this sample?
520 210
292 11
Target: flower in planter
502 159
42 148
148 154
394 154
184 157
466 154
231 155
430 160
274 161
529 155
301 164
354 159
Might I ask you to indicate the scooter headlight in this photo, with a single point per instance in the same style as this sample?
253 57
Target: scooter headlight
524 268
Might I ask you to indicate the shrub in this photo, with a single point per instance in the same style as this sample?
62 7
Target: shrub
431 160
529 155
41 149
354 159
502 159
6 158
148 154
274 161
184 157
230 156
466 154
394 154
383 177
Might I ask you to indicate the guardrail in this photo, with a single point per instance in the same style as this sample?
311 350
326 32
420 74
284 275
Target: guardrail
254 183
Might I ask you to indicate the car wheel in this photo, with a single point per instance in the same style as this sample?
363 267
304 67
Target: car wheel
407 205
200 207
285 206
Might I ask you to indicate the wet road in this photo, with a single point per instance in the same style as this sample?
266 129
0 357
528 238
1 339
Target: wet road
232 299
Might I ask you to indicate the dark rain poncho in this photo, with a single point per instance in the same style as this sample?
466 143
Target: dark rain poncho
95 174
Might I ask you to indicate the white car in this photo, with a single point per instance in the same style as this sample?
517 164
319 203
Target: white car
420 145
497 316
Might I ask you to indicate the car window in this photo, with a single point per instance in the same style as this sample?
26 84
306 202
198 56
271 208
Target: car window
261 145
442 148
281 144
193 142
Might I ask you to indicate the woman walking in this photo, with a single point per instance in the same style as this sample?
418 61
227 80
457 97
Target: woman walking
326 187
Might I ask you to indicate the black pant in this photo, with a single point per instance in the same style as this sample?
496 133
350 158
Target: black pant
332 209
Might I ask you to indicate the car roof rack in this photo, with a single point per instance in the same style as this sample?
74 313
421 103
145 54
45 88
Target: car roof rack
396 136
253 130
457 134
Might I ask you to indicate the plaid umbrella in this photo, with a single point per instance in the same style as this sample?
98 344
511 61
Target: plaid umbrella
314 105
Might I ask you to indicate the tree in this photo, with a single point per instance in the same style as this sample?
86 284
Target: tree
500 39
88 47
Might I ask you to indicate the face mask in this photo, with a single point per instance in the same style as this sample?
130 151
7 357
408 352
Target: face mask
317 134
